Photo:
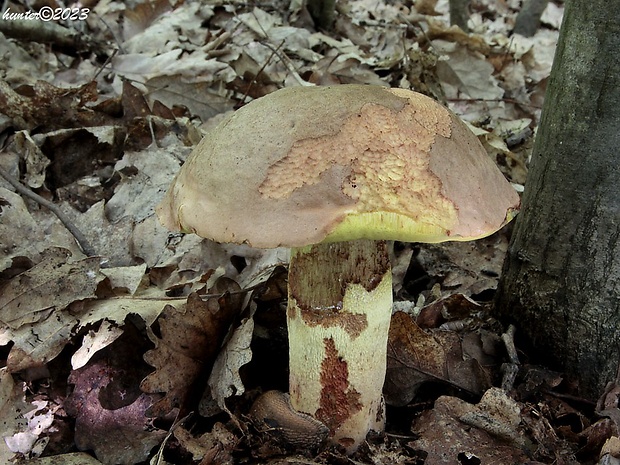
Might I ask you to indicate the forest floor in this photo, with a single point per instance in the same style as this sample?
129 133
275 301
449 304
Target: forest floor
125 348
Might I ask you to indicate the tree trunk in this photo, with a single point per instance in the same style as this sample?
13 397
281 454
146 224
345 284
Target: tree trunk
561 280
528 19
459 14
323 13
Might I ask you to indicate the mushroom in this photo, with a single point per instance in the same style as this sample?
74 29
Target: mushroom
334 172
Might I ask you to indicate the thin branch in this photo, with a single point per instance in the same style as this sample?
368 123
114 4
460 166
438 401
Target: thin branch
77 234
255 78
69 41
506 100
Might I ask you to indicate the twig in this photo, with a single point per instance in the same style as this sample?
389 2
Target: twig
286 61
203 297
68 41
103 66
77 234
253 81
177 422
509 341
511 369
245 290
499 100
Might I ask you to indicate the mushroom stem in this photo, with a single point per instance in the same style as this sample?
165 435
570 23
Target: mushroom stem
339 309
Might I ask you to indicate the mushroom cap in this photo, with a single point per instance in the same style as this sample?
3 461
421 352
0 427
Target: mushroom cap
305 165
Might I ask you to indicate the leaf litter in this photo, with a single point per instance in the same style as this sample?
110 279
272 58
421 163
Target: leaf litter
155 347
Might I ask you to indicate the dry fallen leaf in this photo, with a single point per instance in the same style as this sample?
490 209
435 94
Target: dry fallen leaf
34 160
73 458
19 66
215 446
147 304
188 344
33 440
49 286
416 357
467 267
35 306
37 344
126 279
455 431
14 216
108 406
47 107
143 185
93 342
225 380
12 410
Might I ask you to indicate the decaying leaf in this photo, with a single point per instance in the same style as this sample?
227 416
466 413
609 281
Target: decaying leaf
225 380
14 216
126 279
188 344
33 440
610 452
108 406
37 344
416 357
145 182
34 306
215 446
12 410
73 458
78 152
140 17
148 305
466 267
35 161
455 431
448 310
49 286
43 104
95 341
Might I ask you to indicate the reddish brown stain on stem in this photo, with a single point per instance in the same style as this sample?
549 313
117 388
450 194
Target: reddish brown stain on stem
339 401
353 324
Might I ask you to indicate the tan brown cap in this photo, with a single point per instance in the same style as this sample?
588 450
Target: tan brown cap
308 164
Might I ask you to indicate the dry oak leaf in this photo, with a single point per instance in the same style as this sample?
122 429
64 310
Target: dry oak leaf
35 161
190 340
95 341
47 107
49 286
33 306
37 344
225 379
14 216
416 356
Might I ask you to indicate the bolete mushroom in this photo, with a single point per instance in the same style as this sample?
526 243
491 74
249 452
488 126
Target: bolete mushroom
334 172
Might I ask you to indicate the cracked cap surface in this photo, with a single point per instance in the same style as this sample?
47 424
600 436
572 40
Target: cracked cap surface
310 164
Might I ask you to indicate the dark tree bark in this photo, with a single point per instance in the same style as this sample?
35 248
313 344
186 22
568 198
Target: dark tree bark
323 13
459 14
561 280
528 19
